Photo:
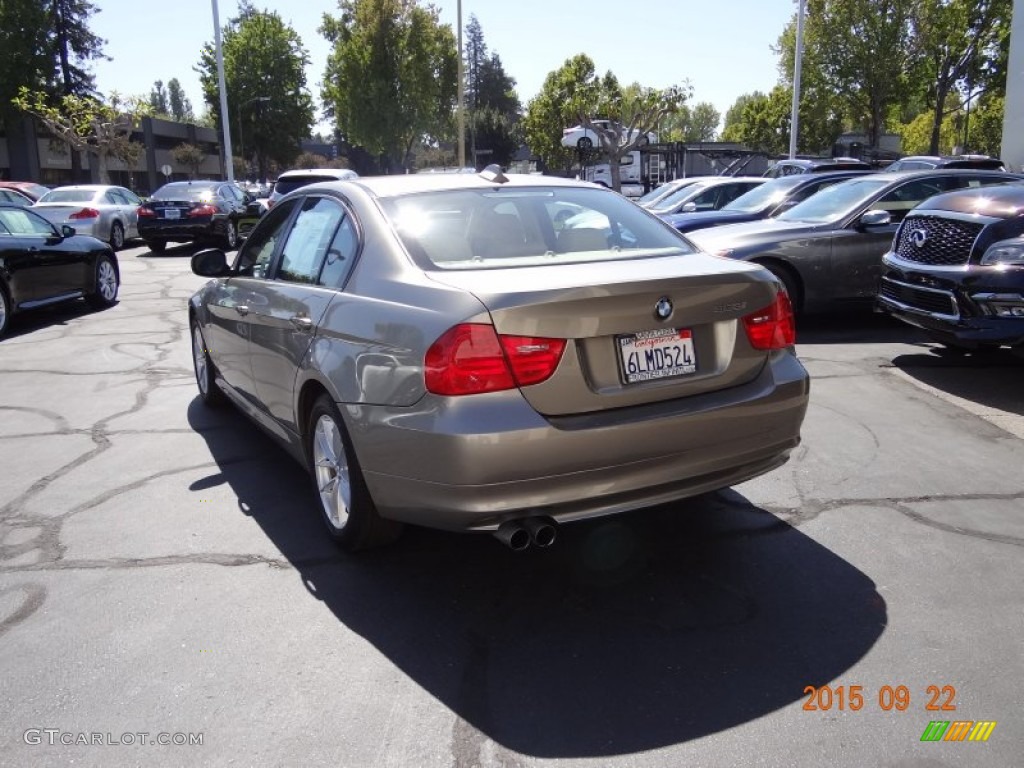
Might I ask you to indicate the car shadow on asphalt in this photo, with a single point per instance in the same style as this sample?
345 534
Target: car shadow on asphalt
172 251
856 324
991 377
631 633
56 316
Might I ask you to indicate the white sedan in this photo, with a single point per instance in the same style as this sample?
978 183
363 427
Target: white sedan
103 211
580 137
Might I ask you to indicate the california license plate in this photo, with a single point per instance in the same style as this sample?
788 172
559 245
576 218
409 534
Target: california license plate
172 213
660 354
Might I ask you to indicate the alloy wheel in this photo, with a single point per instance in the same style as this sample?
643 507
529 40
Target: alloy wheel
199 358
332 472
106 278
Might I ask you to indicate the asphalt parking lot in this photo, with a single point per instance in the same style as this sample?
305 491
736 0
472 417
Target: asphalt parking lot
163 573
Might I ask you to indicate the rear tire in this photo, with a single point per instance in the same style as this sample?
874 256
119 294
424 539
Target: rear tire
344 500
585 144
107 284
116 236
5 311
156 246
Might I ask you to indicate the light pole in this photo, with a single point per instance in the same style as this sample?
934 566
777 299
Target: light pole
241 144
223 95
794 123
462 97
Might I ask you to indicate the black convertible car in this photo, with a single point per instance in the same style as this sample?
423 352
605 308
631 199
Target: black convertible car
41 265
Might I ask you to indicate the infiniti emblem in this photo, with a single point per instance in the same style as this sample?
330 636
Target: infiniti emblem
919 237
663 309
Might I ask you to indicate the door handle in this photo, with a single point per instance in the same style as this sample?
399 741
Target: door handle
242 309
301 322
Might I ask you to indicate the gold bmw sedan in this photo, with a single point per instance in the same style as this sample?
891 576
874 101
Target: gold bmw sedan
491 352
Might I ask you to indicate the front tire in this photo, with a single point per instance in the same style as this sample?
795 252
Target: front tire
157 246
107 284
585 144
345 504
206 373
116 236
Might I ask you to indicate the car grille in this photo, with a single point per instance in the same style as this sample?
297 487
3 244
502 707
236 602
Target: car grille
932 300
947 242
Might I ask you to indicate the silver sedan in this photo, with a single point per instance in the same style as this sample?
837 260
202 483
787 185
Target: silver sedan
103 211
452 351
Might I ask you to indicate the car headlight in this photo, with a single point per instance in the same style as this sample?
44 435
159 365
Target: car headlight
1005 252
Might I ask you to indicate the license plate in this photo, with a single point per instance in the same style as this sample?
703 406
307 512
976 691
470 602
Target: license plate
172 213
660 354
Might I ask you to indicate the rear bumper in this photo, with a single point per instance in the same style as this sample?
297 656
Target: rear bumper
181 229
958 304
472 463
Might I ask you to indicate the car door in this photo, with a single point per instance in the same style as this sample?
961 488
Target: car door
232 300
291 305
857 249
128 204
42 266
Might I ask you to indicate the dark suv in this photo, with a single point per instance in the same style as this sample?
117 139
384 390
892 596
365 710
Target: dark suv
816 165
924 162
956 268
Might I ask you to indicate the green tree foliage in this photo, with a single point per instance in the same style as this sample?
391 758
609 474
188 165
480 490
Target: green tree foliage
392 75
765 122
732 127
103 129
574 95
985 128
265 76
310 160
190 156
24 30
181 107
691 124
491 100
73 46
962 48
158 100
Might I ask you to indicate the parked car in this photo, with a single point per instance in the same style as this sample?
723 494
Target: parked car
829 248
289 181
439 350
583 138
956 268
28 188
14 197
708 193
192 211
41 264
105 212
762 202
924 162
796 166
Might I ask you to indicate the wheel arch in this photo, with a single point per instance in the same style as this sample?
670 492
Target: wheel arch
775 265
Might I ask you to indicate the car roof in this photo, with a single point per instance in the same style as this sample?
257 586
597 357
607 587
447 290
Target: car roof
87 187
341 173
403 184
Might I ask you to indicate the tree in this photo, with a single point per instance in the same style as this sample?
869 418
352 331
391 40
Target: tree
391 76
270 110
961 45
765 122
732 127
692 124
87 124
24 63
574 94
73 46
190 156
158 100
494 108
181 107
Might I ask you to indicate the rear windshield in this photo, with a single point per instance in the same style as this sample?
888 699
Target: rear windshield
286 185
482 229
68 196
196 193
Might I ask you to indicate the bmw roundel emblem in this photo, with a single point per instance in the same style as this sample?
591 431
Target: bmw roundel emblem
663 309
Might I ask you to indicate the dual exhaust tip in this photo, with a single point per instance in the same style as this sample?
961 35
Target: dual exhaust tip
517 535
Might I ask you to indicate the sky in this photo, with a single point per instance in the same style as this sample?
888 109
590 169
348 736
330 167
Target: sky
724 51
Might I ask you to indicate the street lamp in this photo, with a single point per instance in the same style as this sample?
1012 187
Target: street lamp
241 144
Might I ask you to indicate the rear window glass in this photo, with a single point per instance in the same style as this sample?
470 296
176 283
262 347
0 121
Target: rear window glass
68 196
195 193
286 185
482 229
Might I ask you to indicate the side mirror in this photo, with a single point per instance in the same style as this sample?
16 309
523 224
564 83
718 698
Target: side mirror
211 262
875 218
68 231
689 208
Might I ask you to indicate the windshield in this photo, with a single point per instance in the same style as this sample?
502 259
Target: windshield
68 196
765 196
679 196
486 229
665 189
835 202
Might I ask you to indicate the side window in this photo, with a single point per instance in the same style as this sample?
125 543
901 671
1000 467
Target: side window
307 244
731 191
131 197
899 201
255 255
110 197
981 181
705 201
21 222
340 255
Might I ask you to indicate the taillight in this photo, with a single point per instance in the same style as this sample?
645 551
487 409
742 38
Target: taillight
472 358
85 213
772 327
203 210
146 213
